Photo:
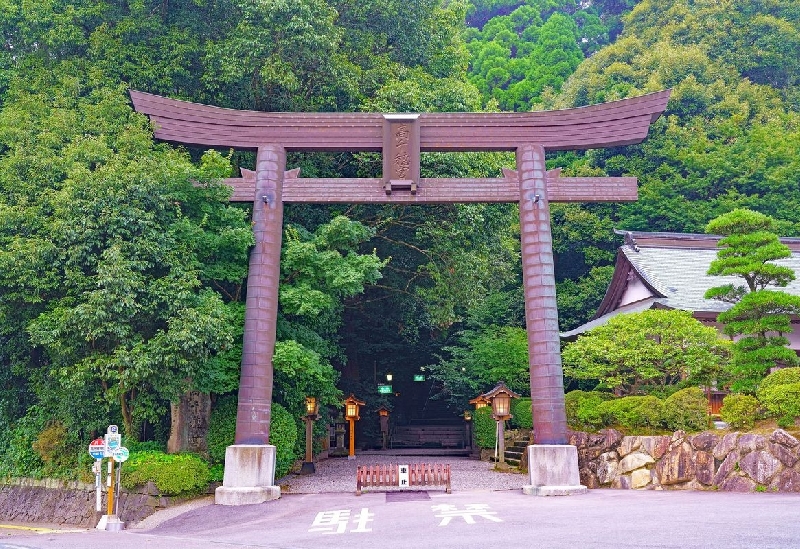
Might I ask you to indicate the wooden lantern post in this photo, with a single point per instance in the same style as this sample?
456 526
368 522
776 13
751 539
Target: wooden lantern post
351 413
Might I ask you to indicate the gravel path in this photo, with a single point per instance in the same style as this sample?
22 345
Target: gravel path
339 474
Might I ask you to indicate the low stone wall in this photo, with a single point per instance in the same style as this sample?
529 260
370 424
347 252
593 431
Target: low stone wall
61 502
736 462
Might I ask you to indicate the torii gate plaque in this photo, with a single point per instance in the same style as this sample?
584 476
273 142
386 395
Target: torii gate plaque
250 462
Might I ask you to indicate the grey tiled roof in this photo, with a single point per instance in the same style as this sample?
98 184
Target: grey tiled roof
637 307
679 275
674 266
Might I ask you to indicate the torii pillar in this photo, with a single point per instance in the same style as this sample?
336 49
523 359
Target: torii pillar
553 464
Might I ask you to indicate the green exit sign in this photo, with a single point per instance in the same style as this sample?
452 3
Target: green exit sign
385 389
419 377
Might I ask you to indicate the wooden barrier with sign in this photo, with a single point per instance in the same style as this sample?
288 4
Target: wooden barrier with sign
403 476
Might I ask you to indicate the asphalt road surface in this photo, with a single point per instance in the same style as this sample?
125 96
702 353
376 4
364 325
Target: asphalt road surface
464 519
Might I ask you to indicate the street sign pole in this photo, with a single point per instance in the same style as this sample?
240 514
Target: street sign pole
111 446
98 472
110 485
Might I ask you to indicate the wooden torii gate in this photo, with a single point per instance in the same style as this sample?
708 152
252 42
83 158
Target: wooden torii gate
400 138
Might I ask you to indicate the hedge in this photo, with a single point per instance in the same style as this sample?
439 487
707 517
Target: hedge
633 412
739 411
784 376
687 410
485 427
522 413
783 402
283 434
583 409
173 474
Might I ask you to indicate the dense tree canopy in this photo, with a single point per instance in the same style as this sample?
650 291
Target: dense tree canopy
123 266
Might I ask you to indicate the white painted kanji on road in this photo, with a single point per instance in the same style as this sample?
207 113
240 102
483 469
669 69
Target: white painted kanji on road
335 522
472 510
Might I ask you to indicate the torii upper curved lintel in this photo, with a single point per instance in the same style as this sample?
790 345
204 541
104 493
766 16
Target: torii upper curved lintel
623 122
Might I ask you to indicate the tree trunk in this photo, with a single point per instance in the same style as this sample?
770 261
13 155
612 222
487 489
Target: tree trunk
189 424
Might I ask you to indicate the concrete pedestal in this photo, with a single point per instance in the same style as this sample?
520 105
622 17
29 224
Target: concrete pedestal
553 470
249 475
110 523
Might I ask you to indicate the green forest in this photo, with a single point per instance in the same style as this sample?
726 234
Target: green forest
123 265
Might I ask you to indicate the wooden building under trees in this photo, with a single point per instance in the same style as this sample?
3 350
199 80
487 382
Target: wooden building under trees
669 271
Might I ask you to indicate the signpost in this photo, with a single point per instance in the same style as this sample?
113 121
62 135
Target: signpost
97 449
110 446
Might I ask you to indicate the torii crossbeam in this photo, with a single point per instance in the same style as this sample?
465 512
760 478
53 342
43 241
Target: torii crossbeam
401 137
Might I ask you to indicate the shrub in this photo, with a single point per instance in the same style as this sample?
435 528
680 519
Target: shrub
52 445
283 434
221 428
485 427
633 412
173 474
687 410
522 413
739 411
784 376
783 402
583 409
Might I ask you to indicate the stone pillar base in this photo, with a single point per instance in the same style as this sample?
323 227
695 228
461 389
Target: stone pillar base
553 470
249 475
246 496
110 523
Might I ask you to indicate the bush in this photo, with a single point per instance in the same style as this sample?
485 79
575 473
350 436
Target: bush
633 412
485 427
583 409
687 410
783 402
283 434
221 428
739 411
784 376
173 474
522 413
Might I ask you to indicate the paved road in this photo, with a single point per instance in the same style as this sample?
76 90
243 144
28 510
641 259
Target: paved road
508 519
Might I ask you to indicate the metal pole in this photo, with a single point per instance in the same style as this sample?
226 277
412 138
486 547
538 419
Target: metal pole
98 471
110 485
116 500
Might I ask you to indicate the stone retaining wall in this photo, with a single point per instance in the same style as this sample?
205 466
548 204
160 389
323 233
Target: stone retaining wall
736 462
52 501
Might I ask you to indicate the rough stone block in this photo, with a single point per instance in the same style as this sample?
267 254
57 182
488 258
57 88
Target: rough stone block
726 445
704 441
640 478
779 436
634 461
656 446
676 466
760 466
628 445
704 467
